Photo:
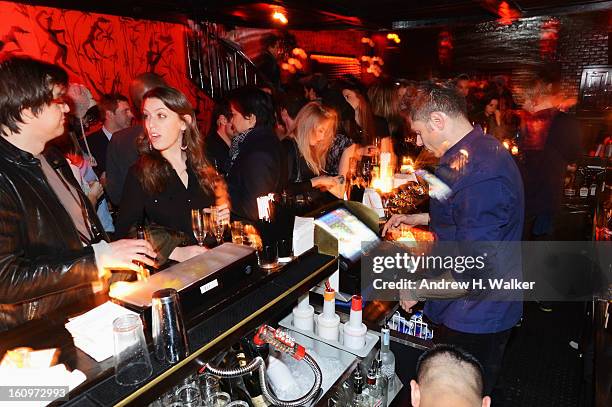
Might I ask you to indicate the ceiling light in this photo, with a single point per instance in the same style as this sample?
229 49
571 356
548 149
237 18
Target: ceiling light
280 17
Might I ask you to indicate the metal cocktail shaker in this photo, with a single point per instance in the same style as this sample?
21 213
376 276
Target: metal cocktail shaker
168 330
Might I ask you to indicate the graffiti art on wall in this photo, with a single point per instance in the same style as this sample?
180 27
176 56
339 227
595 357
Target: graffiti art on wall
102 52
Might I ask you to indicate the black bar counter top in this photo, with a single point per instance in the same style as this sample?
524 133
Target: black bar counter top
208 332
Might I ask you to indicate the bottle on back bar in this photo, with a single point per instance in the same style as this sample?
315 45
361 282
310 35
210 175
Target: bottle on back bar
584 188
388 358
359 398
381 380
251 382
372 389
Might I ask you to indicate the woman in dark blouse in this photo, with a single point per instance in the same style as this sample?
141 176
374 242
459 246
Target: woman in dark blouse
314 130
171 177
360 123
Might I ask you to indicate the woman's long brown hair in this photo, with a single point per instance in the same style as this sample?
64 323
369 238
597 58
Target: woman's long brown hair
155 171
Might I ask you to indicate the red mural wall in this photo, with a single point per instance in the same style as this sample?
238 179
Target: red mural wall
102 52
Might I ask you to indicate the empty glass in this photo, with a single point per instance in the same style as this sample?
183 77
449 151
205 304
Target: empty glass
199 225
188 394
268 256
132 361
219 399
285 251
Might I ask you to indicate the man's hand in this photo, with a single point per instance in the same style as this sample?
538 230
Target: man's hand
122 254
407 305
410 220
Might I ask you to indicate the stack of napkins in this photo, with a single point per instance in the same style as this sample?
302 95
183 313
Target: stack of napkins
303 235
56 375
92 332
372 200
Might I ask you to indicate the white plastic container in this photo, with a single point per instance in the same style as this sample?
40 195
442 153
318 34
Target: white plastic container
355 330
303 314
328 322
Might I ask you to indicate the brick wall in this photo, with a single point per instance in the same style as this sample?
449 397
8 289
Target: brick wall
583 40
574 41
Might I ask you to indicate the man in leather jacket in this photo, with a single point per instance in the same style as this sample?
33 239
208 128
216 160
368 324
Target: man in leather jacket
52 246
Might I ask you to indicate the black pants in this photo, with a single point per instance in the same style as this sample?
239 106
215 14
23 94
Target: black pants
487 348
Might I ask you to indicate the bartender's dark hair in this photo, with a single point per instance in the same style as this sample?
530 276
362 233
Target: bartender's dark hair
25 83
154 171
432 97
250 100
448 358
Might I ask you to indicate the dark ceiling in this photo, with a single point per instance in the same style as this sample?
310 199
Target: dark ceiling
333 14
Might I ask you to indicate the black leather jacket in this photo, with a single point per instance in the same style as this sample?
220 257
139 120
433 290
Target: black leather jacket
43 264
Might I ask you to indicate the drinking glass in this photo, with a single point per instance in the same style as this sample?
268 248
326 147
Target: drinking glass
217 224
188 394
268 256
132 361
199 226
219 399
237 232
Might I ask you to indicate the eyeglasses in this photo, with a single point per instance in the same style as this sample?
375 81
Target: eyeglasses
60 100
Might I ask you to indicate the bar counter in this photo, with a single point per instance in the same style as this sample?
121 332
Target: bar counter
209 330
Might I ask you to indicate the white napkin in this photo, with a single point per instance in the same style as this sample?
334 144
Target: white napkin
372 200
303 235
56 375
92 332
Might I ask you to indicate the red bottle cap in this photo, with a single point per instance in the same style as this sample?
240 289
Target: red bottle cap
356 303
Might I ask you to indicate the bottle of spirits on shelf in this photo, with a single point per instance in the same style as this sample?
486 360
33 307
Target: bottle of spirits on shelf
372 389
593 187
584 188
387 358
251 382
382 382
359 398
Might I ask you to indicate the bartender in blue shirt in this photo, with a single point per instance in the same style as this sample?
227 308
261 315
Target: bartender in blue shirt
484 204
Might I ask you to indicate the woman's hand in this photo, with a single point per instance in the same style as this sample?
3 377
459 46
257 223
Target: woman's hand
181 254
95 192
323 182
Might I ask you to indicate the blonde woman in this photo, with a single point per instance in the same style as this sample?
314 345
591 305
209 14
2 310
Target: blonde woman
314 131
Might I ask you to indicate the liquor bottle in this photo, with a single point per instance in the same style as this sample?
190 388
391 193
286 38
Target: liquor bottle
584 188
359 399
372 389
251 382
381 380
341 396
593 187
388 359
570 190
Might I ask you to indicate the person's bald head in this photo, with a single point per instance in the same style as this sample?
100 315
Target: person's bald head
448 377
141 84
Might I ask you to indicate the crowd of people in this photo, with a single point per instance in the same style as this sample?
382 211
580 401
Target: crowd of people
149 163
